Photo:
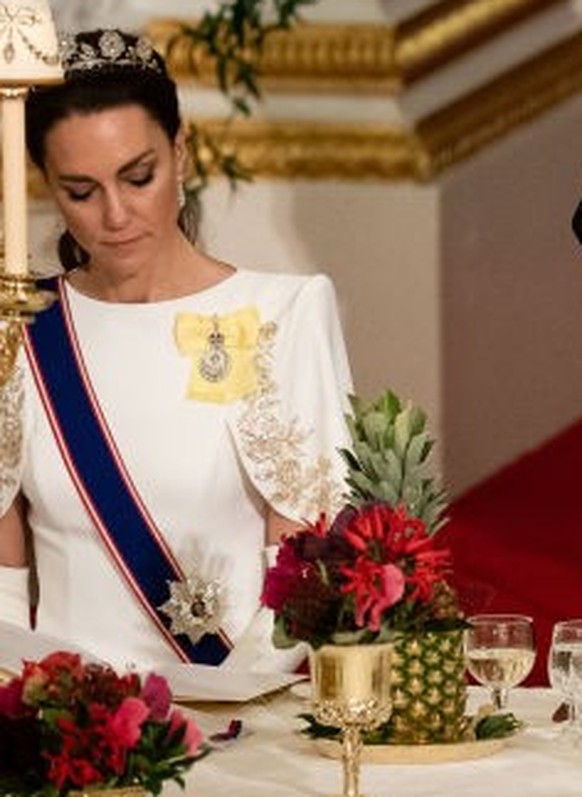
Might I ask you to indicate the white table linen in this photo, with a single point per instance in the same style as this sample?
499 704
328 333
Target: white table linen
273 760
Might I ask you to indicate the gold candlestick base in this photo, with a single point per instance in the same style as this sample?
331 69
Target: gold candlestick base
20 300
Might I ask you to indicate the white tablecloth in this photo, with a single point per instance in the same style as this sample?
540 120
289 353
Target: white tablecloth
272 759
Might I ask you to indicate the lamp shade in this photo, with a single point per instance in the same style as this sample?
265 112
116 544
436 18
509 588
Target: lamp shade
29 52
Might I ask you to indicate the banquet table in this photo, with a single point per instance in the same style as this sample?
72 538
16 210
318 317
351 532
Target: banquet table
271 758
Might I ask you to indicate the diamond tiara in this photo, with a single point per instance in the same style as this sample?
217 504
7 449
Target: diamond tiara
110 48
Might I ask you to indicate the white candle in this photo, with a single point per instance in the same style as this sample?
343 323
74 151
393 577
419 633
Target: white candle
14 182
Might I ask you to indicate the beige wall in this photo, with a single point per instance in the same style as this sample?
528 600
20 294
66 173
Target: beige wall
512 296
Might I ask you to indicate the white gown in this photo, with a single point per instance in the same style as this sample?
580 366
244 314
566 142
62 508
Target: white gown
206 457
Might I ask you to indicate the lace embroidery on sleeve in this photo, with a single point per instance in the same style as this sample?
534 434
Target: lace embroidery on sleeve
11 435
276 448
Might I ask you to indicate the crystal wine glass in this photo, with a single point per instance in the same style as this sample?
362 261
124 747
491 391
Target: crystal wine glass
500 652
565 668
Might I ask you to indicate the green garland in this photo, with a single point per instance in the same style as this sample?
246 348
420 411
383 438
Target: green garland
233 36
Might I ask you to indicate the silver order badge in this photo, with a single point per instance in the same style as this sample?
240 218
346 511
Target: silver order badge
214 363
194 608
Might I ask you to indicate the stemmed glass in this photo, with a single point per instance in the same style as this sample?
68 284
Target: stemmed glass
351 690
500 652
565 668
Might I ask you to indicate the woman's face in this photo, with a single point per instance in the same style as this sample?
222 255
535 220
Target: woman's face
114 176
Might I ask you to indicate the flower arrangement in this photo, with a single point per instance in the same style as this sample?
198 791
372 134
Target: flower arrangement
66 725
373 570
378 566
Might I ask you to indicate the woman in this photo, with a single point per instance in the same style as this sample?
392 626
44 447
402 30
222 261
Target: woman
178 414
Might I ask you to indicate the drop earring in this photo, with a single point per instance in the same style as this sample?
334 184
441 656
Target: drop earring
181 194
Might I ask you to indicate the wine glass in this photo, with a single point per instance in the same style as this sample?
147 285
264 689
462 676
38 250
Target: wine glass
565 668
500 652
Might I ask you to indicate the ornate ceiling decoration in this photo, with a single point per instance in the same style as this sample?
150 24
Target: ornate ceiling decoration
374 57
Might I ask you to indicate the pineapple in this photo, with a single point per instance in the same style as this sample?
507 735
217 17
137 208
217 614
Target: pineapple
428 688
391 445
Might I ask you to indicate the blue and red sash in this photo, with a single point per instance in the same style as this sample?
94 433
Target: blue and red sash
119 515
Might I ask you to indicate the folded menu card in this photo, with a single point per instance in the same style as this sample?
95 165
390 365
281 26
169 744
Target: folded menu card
188 682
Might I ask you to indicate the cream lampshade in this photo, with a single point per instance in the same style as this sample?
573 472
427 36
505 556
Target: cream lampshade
28 44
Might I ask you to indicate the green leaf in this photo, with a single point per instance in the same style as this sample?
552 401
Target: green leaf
402 430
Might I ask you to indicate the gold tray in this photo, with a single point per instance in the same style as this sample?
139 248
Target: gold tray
418 753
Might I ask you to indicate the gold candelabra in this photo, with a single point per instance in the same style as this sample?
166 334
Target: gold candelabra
20 300
28 56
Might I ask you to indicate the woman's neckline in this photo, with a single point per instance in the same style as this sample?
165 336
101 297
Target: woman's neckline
202 294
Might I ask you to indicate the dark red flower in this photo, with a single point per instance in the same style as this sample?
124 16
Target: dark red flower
281 579
11 704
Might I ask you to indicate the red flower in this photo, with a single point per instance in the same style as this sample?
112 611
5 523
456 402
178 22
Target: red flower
50 677
369 570
384 535
375 587
77 760
78 772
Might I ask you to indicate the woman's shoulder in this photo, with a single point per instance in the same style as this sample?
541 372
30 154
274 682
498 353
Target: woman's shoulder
285 287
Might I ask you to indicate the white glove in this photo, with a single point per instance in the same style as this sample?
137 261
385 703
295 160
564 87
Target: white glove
14 601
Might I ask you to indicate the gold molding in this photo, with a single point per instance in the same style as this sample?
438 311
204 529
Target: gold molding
461 129
311 150
375 58
386 152
451 28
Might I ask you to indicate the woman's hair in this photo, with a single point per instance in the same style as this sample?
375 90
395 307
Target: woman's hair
105 69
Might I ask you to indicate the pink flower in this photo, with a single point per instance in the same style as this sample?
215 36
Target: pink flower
192 738
157 696
126 722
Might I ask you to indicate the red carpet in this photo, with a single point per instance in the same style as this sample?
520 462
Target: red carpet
517 540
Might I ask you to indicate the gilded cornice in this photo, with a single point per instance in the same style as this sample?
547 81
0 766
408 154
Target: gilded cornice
367 57
312 150
459 130
386 152
451 28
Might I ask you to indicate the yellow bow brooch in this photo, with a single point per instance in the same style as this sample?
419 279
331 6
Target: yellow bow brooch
222 350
